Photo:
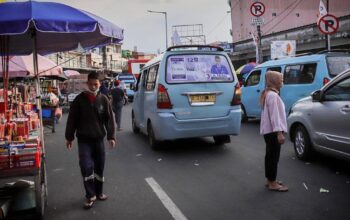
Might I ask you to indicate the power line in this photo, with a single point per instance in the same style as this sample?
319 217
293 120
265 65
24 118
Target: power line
217 25
272 19
291 10
222 20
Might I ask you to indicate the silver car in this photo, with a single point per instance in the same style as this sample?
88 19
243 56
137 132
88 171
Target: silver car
322 121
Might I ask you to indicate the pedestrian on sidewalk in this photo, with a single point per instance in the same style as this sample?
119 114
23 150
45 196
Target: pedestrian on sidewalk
90 118
273 125
117 102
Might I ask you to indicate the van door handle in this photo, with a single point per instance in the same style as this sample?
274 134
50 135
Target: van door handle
258 90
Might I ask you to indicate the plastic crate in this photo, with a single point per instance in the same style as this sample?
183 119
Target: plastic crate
46 113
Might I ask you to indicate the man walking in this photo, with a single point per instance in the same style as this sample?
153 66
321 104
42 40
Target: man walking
117 102
90 118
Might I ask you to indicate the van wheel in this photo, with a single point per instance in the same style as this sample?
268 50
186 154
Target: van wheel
222 139
135 129
244 115
153 142
302 143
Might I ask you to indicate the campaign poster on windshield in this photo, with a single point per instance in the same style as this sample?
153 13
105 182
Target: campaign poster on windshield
198 68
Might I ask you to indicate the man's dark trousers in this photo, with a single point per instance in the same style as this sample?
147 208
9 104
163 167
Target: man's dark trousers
92 161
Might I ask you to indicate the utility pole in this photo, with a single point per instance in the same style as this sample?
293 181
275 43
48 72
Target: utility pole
257 9
166 25
259 57
104 59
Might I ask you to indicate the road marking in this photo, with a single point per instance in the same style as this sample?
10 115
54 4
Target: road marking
165 199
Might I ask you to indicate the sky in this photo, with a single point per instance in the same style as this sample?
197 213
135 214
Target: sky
146 30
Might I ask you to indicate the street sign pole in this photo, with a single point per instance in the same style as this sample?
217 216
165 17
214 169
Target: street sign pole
259 57
257 9
328 25
328 39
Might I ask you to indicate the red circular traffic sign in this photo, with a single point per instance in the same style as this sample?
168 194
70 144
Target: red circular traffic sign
257 9
328 24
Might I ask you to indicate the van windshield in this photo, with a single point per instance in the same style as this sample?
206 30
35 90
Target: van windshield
337 64
189 68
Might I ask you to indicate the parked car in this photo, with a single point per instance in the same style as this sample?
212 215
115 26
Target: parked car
302 75
322 121
189 91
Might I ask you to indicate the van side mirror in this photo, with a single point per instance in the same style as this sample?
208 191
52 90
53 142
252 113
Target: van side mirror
317 96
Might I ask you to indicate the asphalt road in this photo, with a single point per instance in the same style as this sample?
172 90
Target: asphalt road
194 179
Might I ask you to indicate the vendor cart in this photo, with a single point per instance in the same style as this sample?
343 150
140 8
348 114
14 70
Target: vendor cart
31 166
49 117
42 31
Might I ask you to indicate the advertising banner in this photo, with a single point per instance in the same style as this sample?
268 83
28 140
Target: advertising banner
283 49
198 68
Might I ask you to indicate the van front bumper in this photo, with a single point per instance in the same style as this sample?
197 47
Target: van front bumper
167 127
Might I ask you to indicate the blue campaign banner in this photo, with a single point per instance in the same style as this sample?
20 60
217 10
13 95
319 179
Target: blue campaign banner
198 68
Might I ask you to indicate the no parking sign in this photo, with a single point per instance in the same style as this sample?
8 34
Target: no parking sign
328 24
257 9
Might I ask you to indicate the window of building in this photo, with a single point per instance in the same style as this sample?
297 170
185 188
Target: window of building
300 74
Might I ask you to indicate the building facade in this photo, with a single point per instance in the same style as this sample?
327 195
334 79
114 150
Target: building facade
286 20
106 60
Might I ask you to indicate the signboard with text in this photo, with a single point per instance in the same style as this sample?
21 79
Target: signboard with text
283 49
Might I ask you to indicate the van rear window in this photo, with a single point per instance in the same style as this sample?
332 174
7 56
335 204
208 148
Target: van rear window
337 64
198 68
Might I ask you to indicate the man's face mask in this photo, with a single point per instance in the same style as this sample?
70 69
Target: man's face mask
93 86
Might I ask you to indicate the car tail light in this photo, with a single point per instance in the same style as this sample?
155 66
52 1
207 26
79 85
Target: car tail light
325 80
236 100
163 100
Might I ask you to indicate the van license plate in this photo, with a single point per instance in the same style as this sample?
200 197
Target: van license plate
202 98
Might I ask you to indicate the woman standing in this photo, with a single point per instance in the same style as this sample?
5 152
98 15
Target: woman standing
273 125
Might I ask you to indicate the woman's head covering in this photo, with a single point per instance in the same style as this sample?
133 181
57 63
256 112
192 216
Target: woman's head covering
116 83
273 79
272 83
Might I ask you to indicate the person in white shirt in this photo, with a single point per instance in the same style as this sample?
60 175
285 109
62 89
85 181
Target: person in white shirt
273 125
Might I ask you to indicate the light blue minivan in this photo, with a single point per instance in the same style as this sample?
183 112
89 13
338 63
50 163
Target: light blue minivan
188 91
302 75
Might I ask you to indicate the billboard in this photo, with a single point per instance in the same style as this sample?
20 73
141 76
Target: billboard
282 49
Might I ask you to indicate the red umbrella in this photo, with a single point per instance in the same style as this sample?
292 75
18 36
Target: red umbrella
22 66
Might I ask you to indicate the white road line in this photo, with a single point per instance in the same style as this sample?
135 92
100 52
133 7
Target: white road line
165 199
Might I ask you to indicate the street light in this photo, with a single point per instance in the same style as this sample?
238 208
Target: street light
166 25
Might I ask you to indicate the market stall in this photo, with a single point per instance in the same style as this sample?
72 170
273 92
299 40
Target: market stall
20 144
46 27
50 100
